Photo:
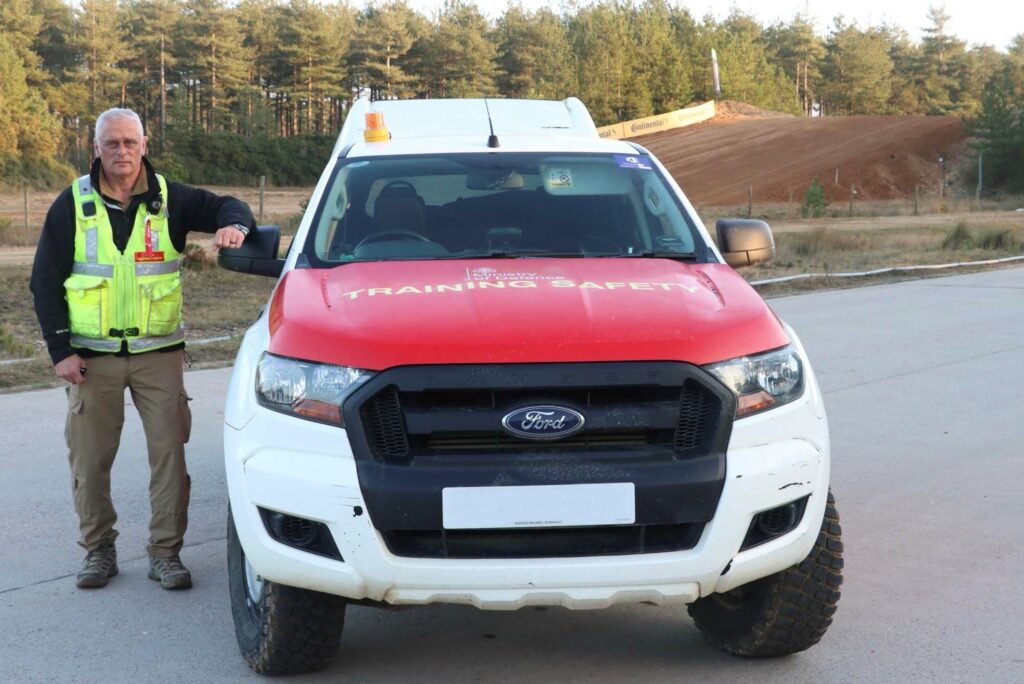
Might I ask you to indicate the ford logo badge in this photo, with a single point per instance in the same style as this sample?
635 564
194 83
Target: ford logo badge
543 422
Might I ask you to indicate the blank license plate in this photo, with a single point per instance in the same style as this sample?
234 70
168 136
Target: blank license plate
469 508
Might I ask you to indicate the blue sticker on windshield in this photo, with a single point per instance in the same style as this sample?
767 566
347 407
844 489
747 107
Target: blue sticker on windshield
629 161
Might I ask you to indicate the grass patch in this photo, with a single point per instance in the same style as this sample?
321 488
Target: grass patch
821 250
822 241
14 234
10 347
959 237
998 240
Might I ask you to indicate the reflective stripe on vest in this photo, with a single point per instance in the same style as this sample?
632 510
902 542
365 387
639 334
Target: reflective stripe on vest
116 297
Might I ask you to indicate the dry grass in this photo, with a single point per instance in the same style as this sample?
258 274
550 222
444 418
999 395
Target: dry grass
878 208
822 250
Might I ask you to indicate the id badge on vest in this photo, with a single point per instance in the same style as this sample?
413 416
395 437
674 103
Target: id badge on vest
153 252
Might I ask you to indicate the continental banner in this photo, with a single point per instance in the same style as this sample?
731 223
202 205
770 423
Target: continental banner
662 122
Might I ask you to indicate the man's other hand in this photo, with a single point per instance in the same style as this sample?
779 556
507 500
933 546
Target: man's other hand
228 236
71 369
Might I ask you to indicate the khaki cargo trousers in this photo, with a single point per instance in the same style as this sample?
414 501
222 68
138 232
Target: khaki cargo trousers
93 433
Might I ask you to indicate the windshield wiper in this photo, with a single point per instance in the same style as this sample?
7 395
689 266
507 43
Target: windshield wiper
654 254
515 254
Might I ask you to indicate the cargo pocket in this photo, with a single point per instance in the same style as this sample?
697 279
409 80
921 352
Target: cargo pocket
161 306
185 417
75 405
88 305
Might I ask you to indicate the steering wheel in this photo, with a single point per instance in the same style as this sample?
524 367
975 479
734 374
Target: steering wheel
385 235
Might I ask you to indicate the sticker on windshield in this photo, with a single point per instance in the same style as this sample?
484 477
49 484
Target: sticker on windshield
628 161
559 178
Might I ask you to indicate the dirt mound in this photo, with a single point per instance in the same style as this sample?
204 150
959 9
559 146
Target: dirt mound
730 110
883 157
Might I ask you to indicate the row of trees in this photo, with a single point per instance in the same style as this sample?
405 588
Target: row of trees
284 68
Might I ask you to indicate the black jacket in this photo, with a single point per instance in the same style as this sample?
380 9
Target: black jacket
190 209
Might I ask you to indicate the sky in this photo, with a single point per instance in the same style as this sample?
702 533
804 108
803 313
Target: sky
989 22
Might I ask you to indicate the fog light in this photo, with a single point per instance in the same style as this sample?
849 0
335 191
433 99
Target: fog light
300 533
773 523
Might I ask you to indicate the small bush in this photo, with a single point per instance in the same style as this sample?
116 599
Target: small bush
959 237
814 201
196 258
998 240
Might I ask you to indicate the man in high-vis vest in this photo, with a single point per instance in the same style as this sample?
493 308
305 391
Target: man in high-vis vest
107 287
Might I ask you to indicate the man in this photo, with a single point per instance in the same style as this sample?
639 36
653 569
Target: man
107 288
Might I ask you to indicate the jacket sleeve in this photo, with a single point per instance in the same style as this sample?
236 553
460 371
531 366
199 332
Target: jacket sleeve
198 209
55 256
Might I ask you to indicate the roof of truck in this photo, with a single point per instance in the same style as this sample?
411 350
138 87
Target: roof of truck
463 125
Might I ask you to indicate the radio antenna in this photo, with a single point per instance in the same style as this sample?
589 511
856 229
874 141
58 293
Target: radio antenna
492 140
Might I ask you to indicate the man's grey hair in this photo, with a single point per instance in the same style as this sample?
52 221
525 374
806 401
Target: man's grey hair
116 113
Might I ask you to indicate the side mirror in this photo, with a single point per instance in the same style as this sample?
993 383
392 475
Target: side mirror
745 242
257 255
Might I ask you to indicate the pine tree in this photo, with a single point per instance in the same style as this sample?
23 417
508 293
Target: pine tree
939 71
213 61
458 57
29 133
378 61
999 127
103 50
314 49
600 38
798 51
533 55
858 71
746 73
659 62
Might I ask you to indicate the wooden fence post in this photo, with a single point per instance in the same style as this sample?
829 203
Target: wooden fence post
263 184
28 237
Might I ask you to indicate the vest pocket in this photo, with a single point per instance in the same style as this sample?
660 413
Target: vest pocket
88 305
161 306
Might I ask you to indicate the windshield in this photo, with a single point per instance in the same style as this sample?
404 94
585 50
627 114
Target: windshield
499 205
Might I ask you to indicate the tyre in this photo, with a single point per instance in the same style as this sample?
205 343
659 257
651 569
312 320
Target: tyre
783 613
280 629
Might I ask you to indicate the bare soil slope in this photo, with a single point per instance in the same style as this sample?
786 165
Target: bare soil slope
884 157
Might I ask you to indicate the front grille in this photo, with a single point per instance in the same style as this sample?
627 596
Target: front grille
696 412
383 417
663 427
556 542
402 425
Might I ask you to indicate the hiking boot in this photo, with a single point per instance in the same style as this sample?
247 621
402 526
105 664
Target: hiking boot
169 572
99 566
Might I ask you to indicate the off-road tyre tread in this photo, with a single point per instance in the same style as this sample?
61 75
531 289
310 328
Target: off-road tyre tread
794 608
300 630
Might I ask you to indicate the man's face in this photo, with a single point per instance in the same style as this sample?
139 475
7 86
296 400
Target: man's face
120 146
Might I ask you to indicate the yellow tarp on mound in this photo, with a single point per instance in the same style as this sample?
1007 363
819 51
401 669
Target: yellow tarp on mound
662 122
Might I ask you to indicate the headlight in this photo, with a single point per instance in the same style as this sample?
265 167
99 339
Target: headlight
305 389
762 382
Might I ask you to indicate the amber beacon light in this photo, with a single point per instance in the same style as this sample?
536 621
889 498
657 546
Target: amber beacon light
375 131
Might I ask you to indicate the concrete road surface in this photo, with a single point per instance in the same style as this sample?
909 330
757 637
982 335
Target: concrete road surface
925 388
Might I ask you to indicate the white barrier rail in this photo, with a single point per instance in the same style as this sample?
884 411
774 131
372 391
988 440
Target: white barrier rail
881 271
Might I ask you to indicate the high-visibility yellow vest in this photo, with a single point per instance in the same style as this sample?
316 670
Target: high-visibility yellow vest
115 297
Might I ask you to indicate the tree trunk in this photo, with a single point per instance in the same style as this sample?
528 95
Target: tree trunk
213 84
163 96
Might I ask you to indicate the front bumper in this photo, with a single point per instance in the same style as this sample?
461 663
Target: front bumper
772 459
